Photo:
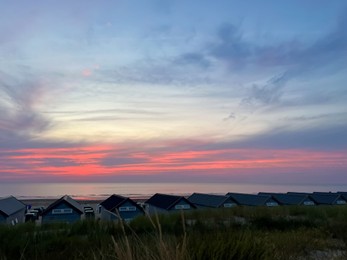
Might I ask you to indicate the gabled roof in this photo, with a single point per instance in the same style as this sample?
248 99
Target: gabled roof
287 199
249 199
166 201
208 200
326 198
10 205
73 203
114 201
343 194
300 193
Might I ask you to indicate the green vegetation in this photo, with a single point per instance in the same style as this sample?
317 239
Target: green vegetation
237 233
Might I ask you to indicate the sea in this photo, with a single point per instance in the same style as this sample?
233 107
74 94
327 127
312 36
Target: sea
99 191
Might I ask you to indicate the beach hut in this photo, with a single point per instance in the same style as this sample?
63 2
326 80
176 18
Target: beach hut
290 199
64 209
201 200
329 198
115 206
324 198
243 199
12 211
343 194
164 203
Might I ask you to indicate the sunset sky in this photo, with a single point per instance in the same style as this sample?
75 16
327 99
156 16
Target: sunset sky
159 90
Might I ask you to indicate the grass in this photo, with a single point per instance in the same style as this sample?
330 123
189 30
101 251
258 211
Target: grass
236 233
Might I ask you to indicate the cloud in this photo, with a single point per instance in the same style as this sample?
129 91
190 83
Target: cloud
130 161
115 160
316 137
164 72
268 93
193 58
230 47
19 118
87 72
231 116
295 57
281 63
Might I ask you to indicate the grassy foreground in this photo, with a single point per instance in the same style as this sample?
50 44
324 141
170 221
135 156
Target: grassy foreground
237 233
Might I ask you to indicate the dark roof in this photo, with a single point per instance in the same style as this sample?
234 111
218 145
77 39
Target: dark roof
249 199
326 198
10 205
73 203
343 194
208 200
300 193
331 193
166 201
114 201
287 199
323 193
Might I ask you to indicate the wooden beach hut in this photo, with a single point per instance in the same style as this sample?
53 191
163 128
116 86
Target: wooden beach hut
244 199
343 194
290 199
329 198
202 200
12 211
324 198
64 209
164 203
118 206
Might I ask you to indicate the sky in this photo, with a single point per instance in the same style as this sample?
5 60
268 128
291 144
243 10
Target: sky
173 91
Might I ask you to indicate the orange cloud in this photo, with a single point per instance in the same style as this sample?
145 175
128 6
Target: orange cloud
87 72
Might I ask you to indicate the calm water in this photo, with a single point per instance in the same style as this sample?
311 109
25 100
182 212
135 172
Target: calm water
103 190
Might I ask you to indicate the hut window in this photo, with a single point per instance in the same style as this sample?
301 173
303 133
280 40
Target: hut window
308 203
228 205
61 211
185 206
271 204
127 208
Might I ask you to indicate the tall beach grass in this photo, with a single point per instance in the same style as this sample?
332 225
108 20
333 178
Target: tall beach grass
236 233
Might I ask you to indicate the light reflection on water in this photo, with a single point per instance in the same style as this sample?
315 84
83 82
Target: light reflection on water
103 190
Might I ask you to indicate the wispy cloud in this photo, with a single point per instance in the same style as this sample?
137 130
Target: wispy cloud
143 78
84 162
231 48
268 93
281 63
19 116
295 57
292 135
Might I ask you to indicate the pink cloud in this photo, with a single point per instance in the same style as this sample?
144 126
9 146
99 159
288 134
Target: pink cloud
112 161
87 72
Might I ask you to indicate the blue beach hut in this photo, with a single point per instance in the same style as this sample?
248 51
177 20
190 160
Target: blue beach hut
243 199
164 203
64 209
291 199
118 206
343 194
329 198
12 211
201 200
324 198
